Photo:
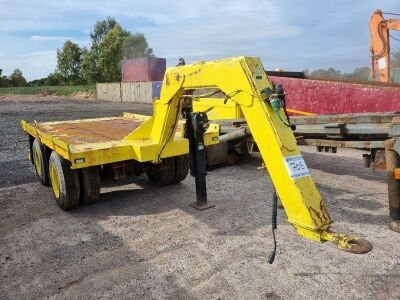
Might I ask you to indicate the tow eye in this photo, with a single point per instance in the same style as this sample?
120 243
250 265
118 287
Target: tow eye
346 243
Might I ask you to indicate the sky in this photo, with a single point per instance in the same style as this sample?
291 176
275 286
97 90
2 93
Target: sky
287 34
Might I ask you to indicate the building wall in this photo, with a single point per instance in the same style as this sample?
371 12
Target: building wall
138 92
109 91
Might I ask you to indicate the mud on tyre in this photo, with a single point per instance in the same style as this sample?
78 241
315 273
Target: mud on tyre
162 174
181 168
64 182
40 161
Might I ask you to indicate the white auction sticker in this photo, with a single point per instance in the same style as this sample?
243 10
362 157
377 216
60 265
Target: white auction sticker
296 166
382 63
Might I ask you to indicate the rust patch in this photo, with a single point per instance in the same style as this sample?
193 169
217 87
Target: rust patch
378 165
377 118
68 285
232 159
321 217
389 144
96 131
272 296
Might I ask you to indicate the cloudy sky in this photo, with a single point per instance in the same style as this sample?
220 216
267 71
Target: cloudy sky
289 34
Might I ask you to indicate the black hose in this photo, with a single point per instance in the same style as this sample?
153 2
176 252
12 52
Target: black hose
274 223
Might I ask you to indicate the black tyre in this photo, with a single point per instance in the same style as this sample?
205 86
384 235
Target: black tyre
181 168
162 174
90 185
40 161
64 182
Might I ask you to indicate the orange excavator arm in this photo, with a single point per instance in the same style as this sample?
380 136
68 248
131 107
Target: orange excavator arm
380 45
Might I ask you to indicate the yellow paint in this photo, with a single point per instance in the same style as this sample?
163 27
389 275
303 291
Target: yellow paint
55 182
242 79
275 141
230 110
300 112
135 146
37 161
220 111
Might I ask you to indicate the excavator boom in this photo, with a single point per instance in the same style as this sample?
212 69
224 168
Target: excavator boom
380 45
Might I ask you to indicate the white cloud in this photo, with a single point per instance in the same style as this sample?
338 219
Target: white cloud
284 33
49 38
33 65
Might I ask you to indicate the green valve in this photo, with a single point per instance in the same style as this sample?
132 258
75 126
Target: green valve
275 104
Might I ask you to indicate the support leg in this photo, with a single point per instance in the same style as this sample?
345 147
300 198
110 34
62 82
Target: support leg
195 128
393 162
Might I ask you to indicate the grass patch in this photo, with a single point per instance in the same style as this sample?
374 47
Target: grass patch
48 90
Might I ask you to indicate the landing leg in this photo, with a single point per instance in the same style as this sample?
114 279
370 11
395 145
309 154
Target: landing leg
196 125
393 162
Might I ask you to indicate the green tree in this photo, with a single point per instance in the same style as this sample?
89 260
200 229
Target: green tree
326 73
37 82
361 73
90 62
395 66
395 59
110 43
55 78
69 60
110 54
90 67
4 81
17 79
100 30
136 46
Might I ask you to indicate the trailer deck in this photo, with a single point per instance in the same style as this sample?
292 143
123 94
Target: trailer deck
91 130
91 142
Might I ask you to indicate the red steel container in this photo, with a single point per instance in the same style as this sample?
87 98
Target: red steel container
143 69
339 96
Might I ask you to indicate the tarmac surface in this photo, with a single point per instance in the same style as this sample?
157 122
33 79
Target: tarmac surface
142 242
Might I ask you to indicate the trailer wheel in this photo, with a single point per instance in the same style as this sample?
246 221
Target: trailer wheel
64 182
90 185
40 161
181 168
162 174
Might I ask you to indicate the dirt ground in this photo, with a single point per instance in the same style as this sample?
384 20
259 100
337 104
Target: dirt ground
142 242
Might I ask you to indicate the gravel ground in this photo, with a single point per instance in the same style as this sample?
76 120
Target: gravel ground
144 242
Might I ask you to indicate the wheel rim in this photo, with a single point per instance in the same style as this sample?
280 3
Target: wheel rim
38 162
55 183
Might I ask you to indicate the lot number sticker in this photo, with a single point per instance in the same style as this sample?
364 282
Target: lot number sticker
296 166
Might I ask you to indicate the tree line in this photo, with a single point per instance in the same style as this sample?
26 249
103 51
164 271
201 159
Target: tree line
101 62
362 73
110 43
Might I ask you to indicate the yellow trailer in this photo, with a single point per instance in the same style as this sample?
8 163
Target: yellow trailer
76 149
71 155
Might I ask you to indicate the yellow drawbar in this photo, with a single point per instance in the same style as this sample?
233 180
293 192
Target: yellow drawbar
243 82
